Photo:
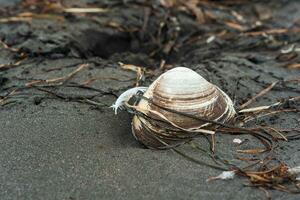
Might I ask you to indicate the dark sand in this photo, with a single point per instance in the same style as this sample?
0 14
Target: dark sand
59 148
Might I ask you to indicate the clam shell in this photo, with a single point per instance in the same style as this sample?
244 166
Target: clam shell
183 90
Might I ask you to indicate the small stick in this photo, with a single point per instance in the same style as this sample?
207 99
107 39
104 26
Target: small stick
276 131
85 10
8 95
8 47
260 108
69 76
9 65
273 31
140 71
261 93
15 19
248 119
60 80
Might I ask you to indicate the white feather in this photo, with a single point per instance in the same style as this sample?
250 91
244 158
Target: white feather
125 96
225 175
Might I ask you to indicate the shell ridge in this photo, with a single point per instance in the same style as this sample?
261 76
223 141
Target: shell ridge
183 90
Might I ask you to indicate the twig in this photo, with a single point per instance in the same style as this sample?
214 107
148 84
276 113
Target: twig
8 47
273 31
8 95
15 19
261 93
276 131
260 108
248 119
10 65
60 80
85 10
140 71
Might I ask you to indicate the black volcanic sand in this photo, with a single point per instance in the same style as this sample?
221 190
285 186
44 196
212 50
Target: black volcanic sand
53 145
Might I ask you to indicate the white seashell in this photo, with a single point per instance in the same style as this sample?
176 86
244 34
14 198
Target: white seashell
237 141
125 96
210 39
182 90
